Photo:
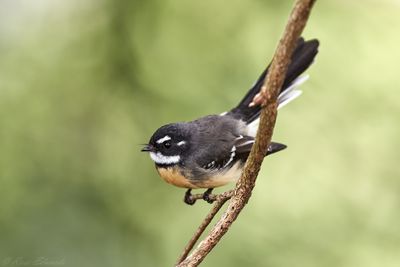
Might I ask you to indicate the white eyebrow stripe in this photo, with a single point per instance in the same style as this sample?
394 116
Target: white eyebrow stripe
161 159
181 143
162 140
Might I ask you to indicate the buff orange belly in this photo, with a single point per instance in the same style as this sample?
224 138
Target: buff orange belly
173 176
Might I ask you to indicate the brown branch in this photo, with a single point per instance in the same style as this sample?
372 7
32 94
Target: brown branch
219 202
268 99
213 197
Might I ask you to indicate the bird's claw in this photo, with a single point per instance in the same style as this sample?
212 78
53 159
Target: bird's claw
206 196
188 198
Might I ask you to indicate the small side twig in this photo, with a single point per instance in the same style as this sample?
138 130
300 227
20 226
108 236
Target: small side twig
220 200
212 197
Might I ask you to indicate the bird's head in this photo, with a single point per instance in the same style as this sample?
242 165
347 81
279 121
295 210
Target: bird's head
168 144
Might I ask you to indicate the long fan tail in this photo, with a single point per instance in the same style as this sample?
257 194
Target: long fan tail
303 56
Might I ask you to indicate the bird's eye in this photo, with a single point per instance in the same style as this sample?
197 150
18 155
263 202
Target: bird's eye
167 144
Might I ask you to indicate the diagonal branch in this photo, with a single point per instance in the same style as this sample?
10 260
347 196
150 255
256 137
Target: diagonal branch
219 202
268 99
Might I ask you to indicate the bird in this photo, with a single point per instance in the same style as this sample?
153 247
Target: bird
211 151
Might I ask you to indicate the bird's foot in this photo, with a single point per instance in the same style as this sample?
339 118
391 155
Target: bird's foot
188 199
206 196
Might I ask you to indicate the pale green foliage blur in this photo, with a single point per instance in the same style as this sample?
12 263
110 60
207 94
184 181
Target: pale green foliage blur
84 83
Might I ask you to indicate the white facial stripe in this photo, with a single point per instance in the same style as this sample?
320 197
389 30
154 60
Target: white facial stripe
181 143
162 140
161 159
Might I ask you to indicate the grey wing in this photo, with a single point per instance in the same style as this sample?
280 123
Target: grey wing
220 142
215 138
239 149
245 143
242 146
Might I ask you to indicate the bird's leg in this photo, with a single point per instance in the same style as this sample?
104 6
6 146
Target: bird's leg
188 198
206 195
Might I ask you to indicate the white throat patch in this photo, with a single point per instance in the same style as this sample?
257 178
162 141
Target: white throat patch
161 159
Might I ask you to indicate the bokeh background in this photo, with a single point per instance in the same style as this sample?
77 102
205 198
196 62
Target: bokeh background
84 83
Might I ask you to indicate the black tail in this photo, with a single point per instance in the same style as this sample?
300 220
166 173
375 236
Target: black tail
302 58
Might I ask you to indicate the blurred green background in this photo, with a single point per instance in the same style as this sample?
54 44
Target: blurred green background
83 83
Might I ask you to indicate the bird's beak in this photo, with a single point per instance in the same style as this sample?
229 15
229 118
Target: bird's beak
148 148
